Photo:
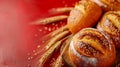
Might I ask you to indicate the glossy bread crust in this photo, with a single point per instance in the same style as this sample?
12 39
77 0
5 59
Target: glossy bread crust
110 24
91 48
85 14
108 5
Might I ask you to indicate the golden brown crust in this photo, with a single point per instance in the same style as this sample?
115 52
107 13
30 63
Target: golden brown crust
108 5
110 24
91 48
112 4
85 14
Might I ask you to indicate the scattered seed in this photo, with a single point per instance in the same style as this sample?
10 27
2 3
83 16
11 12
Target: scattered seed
57 36
49 29
46 28
34 51
40 30
29 58
54 34
43 41
38 46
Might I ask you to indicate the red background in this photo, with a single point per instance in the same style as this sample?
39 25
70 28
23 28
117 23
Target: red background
16 35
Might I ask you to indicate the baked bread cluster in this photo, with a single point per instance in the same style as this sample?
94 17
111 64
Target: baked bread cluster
92 47
91 37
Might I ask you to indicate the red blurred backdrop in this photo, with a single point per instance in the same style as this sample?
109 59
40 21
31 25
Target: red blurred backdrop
16 35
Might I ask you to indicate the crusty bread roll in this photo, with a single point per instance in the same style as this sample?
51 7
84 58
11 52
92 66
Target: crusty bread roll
110 24
85 14
91 48
108 5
